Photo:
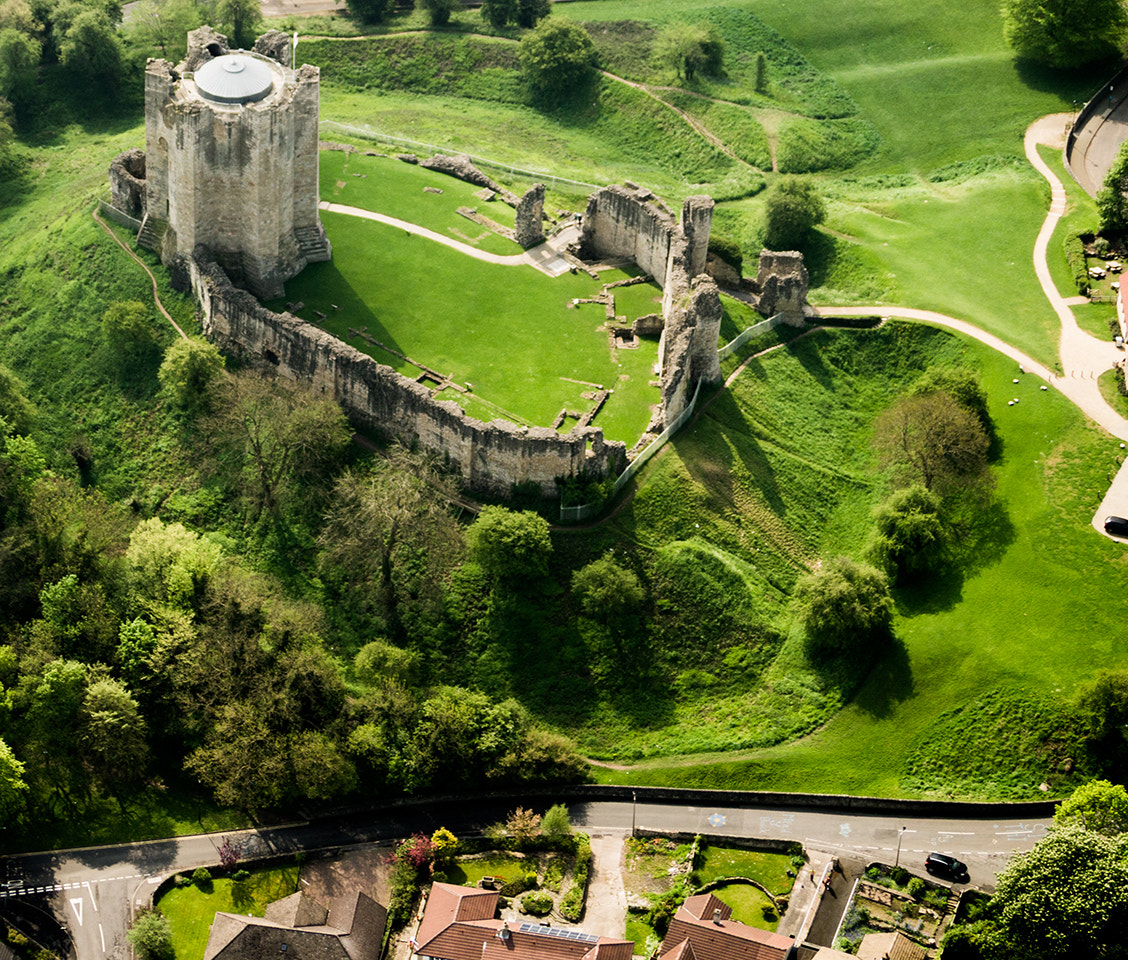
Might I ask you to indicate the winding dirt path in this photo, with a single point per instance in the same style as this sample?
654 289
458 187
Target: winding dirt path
141 263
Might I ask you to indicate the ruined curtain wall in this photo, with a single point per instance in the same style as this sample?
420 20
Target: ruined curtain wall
491 457
617 224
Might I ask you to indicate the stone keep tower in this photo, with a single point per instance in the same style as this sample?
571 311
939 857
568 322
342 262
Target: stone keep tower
231 161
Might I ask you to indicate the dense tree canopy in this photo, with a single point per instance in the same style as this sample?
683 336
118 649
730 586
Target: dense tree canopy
689 49
910 537
189 373
370 11
510 546
1099 806
845 607
1112 198
556 58
1065 33
932 440
792 209
92 50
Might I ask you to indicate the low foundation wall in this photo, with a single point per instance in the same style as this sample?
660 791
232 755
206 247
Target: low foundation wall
491 457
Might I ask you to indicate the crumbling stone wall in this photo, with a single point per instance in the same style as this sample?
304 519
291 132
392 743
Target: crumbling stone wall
276 45
625 223
491 457
127 182
461 168
782 284
204 43
528 229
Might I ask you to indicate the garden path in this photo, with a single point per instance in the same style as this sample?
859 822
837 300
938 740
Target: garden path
605 912
545 257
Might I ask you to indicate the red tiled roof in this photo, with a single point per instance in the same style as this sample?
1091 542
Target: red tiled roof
720 939
454 928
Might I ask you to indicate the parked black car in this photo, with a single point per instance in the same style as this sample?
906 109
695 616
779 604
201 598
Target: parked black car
1117 526
948 867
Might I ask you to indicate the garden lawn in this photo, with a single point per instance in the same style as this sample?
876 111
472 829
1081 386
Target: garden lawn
1021 625
511 331
467 872
397 189
190 910
769 869
750 905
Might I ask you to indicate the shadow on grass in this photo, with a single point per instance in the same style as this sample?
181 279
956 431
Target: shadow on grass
1075 84
889 682
321 286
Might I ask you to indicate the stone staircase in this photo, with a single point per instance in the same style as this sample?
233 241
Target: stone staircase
152 233
313 245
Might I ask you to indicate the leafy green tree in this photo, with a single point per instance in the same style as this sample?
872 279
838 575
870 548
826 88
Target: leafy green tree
499 13
379 662
609 593
531 12
128 329
389 542
1065 33
689 49
190 373
439 11
113 733
845 607
1066 898
151 936
932 440
320 770
18 15
1103 703
16 410
13 789
170 564
284 438
962 385
510 546
792 209
163 24
761 82
556 58
91 50
19 58
370 11
556 823
911 538
1099 806
1112 198
241 19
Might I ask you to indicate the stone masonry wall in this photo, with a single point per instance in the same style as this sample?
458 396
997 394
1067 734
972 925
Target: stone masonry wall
623 223
491 457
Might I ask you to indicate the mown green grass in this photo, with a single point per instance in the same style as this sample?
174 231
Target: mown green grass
769 869
509 330
1020 619
748 903
467 872
191 910
398 189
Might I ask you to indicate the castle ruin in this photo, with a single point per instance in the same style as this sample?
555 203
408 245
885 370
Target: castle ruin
230 162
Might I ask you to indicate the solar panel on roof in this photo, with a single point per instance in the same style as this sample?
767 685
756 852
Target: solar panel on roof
560 934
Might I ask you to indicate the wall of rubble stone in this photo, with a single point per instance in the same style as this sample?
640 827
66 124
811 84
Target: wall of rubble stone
491 457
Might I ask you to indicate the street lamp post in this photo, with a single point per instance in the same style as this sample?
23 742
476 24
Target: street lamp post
900 835
634 803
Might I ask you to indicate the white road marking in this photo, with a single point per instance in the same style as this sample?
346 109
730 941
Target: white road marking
153 880
92 903
103 936
76 902
956 833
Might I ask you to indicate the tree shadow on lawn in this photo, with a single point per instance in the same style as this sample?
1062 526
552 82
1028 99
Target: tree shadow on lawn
1075 84
889 681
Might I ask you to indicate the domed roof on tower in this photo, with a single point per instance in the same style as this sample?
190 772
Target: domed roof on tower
234 78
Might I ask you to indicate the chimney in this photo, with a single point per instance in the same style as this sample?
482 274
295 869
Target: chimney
717 915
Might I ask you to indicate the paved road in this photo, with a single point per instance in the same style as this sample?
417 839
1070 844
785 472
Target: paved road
93 890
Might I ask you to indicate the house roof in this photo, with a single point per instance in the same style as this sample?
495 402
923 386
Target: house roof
890 946
703 923
459 924
295 928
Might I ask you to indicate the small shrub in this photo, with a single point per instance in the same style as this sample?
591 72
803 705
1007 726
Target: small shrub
518 885
873 873
439 876
572 904
1101 247
798 861
183 880
900 876
916 888
1074 247
201 875
783 903
17 939
241 876
537 904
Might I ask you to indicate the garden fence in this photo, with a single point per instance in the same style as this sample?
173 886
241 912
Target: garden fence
368 133
586 510
747 334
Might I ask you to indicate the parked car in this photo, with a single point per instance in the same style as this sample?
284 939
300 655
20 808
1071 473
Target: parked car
948 867
1116 526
